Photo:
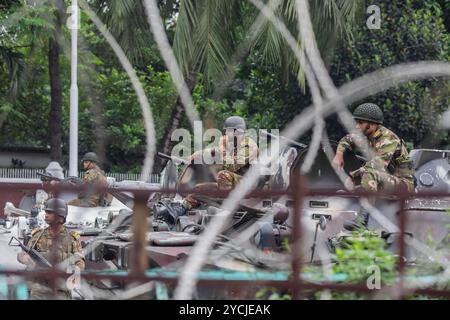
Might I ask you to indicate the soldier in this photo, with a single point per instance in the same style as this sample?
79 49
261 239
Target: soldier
57 245
94 176
237 151
390 169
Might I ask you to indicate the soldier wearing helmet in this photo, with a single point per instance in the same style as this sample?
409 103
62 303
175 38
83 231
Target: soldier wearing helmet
94 176
58 245
237 152
390 168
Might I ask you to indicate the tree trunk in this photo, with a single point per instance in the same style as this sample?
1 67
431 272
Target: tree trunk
55 123
166 143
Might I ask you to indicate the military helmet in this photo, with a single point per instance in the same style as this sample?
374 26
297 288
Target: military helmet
234 122
57 206
368 112
90 156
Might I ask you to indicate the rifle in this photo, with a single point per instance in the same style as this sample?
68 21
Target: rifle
47 177
36 256
293 142
301 145
173 158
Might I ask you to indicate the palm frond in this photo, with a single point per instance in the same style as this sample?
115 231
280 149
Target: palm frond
127 22
331 20
184 38
204 36
211 45
13 63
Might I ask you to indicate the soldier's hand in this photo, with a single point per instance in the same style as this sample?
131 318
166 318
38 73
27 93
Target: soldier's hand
338 161
25 258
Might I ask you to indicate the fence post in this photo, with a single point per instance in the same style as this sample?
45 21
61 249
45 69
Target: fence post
402 248
139 260
298 194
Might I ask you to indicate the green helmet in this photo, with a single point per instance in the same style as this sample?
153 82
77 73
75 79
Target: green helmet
90 156
234 122
57 206
368 112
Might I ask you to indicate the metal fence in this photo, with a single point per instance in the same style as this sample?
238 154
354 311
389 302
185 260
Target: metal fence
297 285
20 173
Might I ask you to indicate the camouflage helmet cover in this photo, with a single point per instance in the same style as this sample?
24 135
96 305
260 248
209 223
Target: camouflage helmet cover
57 206
368 112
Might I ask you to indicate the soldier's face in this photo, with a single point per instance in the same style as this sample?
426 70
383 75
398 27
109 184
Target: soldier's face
366 128
86 164
50 218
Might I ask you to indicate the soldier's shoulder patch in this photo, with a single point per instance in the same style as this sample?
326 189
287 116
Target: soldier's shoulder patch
75 235
35 231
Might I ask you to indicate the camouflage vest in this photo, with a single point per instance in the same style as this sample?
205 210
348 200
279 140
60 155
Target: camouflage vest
238 160
400 164
65 244
390 153
94 177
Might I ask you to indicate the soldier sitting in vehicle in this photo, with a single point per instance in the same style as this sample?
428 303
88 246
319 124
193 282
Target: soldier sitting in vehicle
94 177
237 152
389 170
57 245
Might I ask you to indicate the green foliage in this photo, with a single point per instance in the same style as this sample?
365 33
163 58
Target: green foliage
410 31
102 84
125 132
360 251
272 294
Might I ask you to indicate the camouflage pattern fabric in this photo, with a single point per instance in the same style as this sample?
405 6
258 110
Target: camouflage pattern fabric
64 247
237 160
91 198
391 166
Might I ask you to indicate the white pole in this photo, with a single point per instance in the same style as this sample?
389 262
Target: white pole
73 150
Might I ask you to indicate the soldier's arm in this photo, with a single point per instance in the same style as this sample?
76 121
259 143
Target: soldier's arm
207 152
247 154
77 251
346 143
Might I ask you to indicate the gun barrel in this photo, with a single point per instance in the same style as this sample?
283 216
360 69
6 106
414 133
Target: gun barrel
175 159
48 176
296 143
36 256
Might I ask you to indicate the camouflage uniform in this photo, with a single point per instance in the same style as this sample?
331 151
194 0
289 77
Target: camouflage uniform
235 165
92 177
65 247
390 169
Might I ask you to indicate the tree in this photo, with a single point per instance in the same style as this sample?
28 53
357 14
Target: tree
205 35
208 32
35 27
411 31
11 59
55 123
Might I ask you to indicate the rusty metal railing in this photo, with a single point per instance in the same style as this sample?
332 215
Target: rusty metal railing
295 283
